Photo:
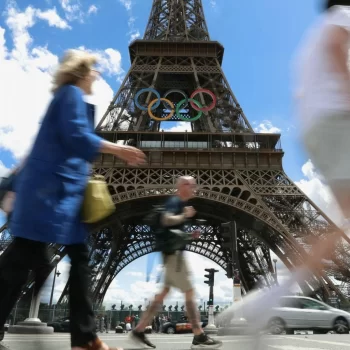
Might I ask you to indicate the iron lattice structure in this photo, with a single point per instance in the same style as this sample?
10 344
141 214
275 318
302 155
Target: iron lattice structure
239 172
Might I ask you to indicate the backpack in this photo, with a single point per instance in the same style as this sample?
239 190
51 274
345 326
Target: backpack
167 241
153 219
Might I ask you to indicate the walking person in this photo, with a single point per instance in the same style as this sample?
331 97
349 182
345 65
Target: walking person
322 89
177 214
157 319
50 190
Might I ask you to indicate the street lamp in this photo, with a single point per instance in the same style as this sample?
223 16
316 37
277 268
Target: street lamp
275 261
57 273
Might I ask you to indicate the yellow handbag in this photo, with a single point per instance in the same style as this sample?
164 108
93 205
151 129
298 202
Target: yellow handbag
98 203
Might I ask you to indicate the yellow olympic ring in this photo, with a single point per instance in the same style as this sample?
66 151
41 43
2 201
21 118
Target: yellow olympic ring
165 118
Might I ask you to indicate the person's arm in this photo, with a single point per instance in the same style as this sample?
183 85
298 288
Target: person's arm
337 36
169 219
75 131
337 43
78 136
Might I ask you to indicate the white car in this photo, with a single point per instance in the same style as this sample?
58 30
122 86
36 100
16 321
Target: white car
303 313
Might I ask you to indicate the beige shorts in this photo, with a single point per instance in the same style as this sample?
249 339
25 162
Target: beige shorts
328 144
177 274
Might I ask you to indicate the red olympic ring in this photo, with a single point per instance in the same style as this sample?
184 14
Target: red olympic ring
203 109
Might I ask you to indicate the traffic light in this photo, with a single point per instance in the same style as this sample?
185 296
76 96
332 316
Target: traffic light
229 270
227 233
210 277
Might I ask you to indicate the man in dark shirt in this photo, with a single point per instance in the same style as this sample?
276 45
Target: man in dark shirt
177 214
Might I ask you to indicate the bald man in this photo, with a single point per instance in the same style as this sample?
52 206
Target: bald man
177 214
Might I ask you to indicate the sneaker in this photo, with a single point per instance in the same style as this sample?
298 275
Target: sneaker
203 341
2 332
140 337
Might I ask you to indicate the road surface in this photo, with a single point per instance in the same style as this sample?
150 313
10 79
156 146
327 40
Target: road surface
60 341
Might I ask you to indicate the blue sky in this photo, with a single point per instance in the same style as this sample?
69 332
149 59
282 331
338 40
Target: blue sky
260 37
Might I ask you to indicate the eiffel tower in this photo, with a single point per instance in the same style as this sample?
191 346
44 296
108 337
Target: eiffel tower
176 75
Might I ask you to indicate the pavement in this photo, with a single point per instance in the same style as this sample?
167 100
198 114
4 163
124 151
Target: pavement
60 341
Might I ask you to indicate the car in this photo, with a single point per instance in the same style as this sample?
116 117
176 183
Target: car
181 326
304 313
60 325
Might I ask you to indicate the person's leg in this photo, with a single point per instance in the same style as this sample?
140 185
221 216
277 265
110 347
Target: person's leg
192 312
179 277
82 319
18 259
138 334
327 144
148 315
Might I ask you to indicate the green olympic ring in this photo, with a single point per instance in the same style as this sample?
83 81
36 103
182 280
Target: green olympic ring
184 101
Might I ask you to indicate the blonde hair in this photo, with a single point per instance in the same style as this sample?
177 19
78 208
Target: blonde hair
75 65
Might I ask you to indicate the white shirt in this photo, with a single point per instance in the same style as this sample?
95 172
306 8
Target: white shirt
319 91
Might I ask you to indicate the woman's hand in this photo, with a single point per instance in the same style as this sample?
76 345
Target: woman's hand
131 155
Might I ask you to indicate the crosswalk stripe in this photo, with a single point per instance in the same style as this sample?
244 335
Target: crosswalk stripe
318 341
292 347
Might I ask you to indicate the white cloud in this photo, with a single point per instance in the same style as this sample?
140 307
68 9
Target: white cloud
315 188
135 273
53 19
134 35
180 126
133 32
127 4
27 66
72 10
3 171
92 9
267 127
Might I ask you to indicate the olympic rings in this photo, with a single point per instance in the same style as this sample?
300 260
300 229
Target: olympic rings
183 104
145 90
178 107
178 91
158 101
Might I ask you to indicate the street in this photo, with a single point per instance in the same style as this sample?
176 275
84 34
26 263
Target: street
59 341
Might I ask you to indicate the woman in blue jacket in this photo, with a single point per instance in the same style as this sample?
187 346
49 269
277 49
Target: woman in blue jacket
50 191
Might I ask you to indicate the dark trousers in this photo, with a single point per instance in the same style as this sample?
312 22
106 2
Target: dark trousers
23 256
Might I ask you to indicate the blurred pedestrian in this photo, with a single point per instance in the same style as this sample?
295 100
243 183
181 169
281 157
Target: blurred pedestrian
49 196
322 89
177 275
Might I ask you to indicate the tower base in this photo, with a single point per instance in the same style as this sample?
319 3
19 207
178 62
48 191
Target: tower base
210 329
31 326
